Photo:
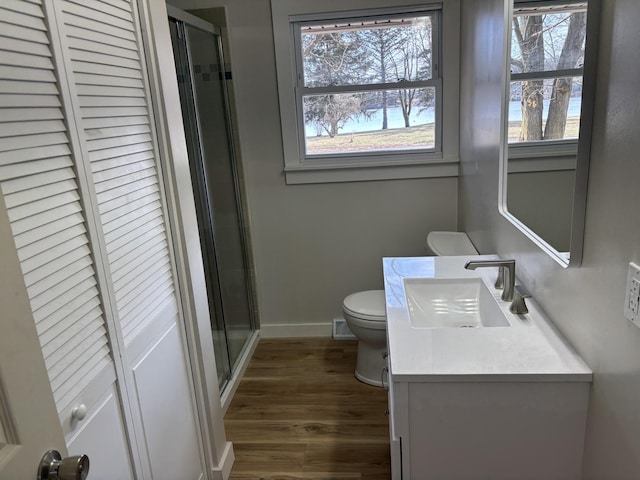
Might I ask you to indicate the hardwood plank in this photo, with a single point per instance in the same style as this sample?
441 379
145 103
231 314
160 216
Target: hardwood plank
289 431
299 413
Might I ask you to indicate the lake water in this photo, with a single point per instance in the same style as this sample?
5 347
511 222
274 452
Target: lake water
396 120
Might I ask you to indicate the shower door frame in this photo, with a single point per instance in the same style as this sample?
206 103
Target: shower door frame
236 368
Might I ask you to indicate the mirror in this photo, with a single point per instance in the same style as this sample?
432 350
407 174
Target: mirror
547 115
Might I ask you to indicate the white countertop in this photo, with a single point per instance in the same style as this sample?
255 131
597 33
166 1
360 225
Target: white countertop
530 350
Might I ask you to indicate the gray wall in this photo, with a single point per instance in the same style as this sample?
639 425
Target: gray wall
585 303
313 244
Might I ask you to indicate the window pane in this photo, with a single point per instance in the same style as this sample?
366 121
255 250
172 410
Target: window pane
367 52
545 110
548 41
354 123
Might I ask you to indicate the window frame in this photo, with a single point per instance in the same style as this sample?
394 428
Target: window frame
442 160
562 148
302 91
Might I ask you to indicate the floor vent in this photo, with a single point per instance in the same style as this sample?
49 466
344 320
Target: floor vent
341 330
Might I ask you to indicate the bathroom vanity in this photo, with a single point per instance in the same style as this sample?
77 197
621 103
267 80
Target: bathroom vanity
475 391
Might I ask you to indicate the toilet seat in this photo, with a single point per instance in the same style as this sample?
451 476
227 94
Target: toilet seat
368 305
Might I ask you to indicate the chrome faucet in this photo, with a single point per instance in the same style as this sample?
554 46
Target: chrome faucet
506 274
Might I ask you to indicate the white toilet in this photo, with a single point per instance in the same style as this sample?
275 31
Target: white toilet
365 312
366 316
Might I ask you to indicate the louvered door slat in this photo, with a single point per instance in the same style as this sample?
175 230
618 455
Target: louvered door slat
142 297
95 136
39 192
110 205
20 32
129 236
109 92
14 59
22 46
115 195
29 114
10 129
74 348
119 4
107 164
41 195
43 230
21 184
63 261
103 7
105 59
131 179
81 378
136 272
167 306
55 339
142 198
94 11
51 314
66 284
35 153
13 100
82 34
112 95
128 260
42 206
22 7
53 240
93 124
50 280
82 312
121 141
28 21
145 207
115 32
66 369
133 260
91 46
44 218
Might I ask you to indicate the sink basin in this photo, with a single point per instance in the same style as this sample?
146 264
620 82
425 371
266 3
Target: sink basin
452 303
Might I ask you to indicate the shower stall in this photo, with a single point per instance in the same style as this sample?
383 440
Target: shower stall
202 78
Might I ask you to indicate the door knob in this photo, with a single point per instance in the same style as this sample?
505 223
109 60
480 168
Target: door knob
54 467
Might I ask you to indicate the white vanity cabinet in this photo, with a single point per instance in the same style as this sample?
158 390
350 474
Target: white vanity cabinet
487 430
496 403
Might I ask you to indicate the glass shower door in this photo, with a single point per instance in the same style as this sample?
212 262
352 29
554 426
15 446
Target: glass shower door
205 109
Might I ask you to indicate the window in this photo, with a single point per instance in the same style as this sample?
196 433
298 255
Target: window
361 92
547 57
368 85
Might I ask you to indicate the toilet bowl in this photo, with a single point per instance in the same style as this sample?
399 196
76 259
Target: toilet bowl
366 317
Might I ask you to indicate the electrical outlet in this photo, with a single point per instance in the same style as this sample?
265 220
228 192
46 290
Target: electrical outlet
632 296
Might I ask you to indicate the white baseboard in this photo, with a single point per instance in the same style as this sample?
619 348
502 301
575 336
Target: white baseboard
296 331
223 470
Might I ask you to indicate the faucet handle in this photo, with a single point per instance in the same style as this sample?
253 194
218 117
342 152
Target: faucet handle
518 305
500 280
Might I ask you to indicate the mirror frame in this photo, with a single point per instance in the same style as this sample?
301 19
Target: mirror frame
574 259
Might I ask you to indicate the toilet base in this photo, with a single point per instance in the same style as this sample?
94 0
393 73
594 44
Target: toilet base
371 365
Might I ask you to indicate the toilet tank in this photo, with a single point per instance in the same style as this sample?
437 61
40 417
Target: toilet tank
450 243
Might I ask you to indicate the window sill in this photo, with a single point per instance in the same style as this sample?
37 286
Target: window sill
360 173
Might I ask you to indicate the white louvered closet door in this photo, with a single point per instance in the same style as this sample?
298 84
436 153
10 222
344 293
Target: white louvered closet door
79 175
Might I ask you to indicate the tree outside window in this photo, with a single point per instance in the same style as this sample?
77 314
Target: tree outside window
547 56
368 84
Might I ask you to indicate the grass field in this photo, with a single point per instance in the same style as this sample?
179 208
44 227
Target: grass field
422 136
391 139
571 130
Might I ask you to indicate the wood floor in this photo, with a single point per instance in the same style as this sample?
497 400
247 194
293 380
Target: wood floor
299 413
